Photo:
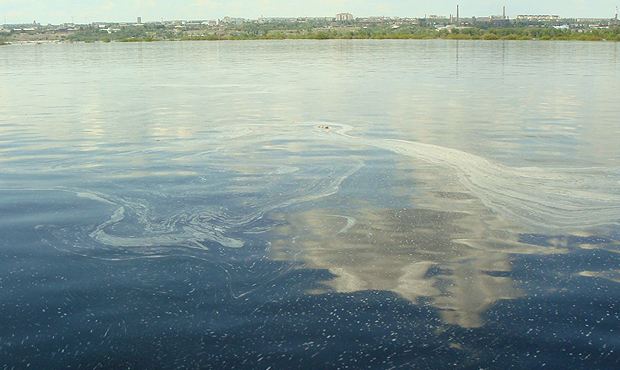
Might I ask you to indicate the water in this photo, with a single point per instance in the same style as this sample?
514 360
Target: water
380 204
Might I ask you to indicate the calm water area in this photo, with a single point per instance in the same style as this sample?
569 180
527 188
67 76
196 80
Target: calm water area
310 204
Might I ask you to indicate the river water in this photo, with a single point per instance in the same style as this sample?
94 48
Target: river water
310 204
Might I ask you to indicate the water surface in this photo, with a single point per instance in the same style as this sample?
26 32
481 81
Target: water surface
382 204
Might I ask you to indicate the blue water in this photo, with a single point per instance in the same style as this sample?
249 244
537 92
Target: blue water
306 204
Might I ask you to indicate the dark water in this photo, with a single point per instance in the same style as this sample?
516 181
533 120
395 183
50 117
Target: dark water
340 204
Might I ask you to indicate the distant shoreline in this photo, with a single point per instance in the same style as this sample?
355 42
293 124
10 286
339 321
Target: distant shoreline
318 31
129 41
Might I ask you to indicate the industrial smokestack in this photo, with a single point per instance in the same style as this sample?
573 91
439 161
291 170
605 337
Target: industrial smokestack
458 14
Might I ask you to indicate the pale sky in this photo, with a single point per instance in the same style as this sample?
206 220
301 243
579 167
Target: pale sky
86 11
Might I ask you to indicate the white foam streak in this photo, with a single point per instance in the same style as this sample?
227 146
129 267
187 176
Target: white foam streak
137 225
539 198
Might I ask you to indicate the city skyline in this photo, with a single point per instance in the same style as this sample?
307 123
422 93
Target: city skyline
87 11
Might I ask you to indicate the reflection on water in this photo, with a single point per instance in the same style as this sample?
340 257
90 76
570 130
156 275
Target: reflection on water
459 259
388 200
411 252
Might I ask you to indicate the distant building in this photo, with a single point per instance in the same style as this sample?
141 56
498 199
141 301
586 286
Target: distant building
538 18
344 17
593 20
139 20
372 20
230 20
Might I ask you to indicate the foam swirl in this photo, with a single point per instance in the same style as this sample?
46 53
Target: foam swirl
549 200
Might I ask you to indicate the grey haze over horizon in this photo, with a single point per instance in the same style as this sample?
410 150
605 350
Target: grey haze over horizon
86 11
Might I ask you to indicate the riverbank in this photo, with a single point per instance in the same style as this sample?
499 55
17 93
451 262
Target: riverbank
151 33
465 33
457 36
612 36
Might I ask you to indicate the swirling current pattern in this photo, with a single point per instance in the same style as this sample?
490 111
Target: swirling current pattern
540 199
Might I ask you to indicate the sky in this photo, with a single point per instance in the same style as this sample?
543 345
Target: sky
86 11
